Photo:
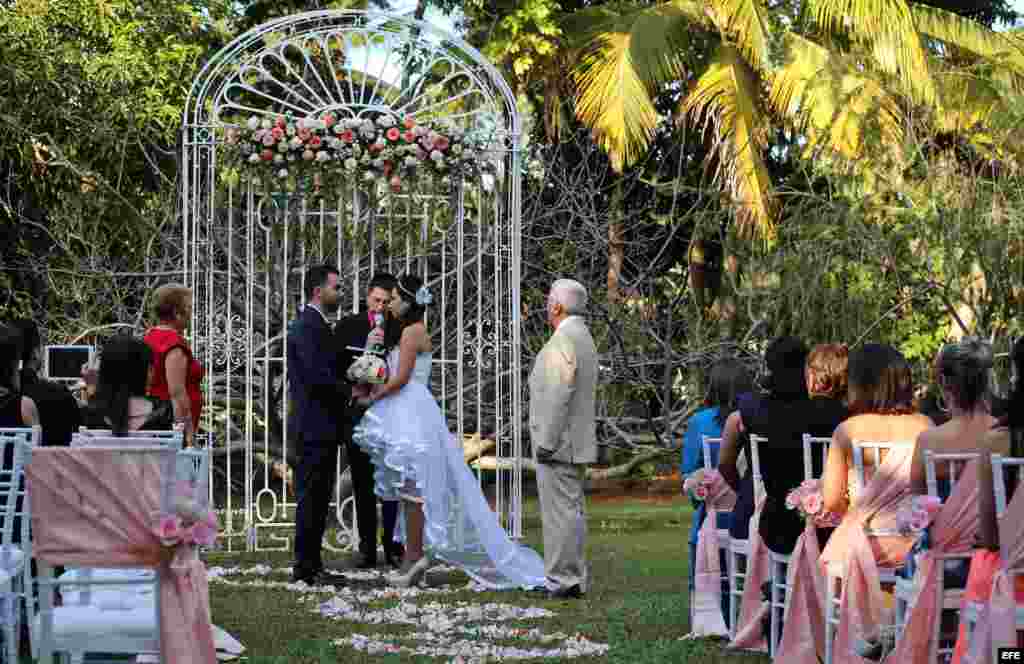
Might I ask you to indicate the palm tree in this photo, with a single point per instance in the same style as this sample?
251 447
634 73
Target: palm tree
834 72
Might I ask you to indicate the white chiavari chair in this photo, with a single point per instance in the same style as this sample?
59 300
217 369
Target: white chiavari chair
739 549
779 563
15 536
952 464
972 611
863 472
709 454
122 614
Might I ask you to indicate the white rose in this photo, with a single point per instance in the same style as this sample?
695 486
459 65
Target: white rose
436 155
357 151
291 156
266 123
278 158
253 124
411 162
351 164
378 163
322 156
254 158
283 173
296 143
385 121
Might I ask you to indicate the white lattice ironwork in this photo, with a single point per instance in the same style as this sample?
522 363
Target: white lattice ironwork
247 245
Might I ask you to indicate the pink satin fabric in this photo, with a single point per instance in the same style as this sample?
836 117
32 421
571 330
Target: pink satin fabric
749 632
863 605
985 565
707 594
952 532
803 627
997 627
96 507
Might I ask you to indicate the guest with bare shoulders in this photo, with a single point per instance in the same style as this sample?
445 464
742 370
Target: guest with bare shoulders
121 404
881 404
16 410
963 373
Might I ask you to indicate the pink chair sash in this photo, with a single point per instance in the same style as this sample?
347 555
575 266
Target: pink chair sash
803 628
862 602
749 632
96 508
998 625
707 595
953 531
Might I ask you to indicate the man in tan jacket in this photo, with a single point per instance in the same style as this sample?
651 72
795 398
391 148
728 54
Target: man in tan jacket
562 435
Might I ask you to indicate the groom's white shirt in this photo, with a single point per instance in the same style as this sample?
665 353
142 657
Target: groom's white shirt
563 387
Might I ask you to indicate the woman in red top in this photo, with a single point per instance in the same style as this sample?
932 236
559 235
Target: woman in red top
176 374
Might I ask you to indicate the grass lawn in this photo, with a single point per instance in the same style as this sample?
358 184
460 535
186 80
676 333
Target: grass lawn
637 604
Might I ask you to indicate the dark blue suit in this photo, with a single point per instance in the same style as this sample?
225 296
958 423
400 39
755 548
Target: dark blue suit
320 395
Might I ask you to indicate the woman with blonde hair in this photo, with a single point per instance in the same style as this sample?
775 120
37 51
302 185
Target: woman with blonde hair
176 373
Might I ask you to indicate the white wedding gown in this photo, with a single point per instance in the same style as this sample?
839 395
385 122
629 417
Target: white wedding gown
411 447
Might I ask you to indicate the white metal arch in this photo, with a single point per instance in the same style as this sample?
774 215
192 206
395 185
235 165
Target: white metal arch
246 245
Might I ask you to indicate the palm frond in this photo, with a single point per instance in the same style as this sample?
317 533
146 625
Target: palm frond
887 26
726 100
746 23
624 57
833 100
970 36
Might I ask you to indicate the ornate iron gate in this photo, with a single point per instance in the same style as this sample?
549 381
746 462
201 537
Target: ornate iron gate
248 240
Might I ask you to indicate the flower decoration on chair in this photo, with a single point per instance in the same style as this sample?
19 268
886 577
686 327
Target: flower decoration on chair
916 514
701 483
810 502
189 523
384 150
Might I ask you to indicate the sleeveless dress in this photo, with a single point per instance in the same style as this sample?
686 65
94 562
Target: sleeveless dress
162 342
416 457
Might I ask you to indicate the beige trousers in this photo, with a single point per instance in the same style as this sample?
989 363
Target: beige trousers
560 488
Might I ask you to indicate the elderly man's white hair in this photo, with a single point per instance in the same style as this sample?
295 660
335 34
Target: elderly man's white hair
570 294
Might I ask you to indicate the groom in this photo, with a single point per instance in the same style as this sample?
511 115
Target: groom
358 331
562 392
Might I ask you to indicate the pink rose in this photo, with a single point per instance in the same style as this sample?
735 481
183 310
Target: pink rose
919 520
812 503
170 527
393 134
701 492
810 485
409 137
396 183
277 133
348 136
268 139
441 143
328 120
314 142
304 134
267 155
421 154
794 498
408 123
280 123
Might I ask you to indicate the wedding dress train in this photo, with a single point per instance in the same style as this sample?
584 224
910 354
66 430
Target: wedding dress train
417 457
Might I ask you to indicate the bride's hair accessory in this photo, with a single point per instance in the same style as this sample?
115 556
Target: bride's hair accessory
422 296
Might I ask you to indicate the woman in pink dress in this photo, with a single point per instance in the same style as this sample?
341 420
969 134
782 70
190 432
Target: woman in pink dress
881 401
1006 438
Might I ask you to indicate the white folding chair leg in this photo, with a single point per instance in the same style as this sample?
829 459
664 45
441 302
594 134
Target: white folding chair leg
737 581
833 595
778 598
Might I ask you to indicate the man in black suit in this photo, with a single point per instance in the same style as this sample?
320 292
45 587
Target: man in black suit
356 331
58 410
319 391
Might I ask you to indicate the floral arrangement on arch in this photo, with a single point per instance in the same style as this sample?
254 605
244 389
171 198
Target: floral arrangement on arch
189 523
916 514
809 500
702 483
386 150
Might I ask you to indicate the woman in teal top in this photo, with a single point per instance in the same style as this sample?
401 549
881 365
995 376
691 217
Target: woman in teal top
728 380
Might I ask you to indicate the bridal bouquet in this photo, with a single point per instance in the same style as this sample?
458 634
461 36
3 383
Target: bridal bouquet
916 514
701 483
190 523
809 501
368 368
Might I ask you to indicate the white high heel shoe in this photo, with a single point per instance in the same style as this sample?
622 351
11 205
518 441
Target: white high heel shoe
411 577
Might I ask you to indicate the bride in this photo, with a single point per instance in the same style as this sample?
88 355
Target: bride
419 462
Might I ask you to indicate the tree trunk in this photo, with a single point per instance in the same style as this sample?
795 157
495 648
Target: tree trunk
616 245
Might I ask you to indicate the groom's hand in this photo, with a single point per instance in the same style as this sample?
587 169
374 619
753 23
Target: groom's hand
544 455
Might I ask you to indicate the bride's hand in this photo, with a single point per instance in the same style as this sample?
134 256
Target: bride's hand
360 391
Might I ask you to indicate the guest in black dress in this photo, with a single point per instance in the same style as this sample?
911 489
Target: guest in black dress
121 403
802 397
58 411
16 409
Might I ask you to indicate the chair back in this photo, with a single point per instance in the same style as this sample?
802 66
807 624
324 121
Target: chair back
192 467
706 443
14 443
1000 464
755 462
105 438
953 462
812 444
876 451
